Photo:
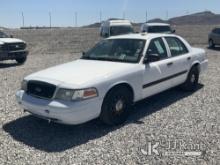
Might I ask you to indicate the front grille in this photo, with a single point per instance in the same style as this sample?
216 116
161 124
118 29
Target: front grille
41 89
15 46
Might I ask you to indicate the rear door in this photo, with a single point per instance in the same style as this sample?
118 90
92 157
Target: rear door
181 58
157 75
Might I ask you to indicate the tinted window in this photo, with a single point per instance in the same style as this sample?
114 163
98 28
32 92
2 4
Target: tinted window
117 30
3 35
176 46
159 29
157 46
216 30
123 50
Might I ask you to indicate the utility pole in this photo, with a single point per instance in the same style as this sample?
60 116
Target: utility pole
50 19
100 16
123 14
76 15
22 15
146 16
167 15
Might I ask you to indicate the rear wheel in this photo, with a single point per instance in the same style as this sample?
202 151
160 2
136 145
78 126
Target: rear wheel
191 83
21 60
116 106
211 44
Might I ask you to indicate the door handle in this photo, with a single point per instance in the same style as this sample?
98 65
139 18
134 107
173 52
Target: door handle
188 58
170 63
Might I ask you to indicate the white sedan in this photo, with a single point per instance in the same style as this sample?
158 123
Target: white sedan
110 77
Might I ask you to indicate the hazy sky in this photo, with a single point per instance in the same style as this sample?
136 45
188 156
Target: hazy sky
36 12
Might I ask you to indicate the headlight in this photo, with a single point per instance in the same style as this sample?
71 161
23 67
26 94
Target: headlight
24 85
70 94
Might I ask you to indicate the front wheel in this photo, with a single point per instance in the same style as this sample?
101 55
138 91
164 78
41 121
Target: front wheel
192 80
116 106
211 44
21 60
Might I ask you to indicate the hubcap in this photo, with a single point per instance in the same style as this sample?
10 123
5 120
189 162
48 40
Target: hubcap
119 106
193 78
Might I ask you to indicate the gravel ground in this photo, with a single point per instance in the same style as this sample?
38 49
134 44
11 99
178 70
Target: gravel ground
176 121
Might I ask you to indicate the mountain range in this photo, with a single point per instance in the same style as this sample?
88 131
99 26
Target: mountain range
201 18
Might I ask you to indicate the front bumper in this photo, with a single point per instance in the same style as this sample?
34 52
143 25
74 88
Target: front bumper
65 112
12 55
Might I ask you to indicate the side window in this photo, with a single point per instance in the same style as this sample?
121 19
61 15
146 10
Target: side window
218 31
176 46
214 31
157 46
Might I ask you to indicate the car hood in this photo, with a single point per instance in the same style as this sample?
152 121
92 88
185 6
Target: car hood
9 40
81 73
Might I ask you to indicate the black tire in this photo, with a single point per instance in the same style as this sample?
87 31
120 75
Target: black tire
192 80
211 43
116 106
21 60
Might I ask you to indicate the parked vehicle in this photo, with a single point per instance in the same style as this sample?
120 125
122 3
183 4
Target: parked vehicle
109 78
214 38
113 27
157 28
12 49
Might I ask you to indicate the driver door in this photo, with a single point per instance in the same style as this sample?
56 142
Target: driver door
157 74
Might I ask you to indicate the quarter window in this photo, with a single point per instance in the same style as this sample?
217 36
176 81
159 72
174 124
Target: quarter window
157 46
176 46
216 31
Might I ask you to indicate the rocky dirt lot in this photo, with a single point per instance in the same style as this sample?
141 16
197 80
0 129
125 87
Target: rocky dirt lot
173 121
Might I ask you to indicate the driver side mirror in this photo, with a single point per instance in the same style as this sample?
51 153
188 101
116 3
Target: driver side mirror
151 58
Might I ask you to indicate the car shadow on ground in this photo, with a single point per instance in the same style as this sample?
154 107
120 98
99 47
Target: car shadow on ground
215 48
8 65
53 137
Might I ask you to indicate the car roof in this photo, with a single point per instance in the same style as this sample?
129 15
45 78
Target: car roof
157 24
144 36
116 22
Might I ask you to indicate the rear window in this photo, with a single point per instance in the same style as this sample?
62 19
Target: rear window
117 30
159 29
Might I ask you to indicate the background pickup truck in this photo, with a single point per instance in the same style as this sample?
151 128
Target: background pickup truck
12 49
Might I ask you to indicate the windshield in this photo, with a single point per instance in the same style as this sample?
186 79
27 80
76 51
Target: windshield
159 29
3 35
122 50
117 30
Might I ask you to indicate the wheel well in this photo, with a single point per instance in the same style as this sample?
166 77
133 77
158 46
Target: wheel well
197 65
130 89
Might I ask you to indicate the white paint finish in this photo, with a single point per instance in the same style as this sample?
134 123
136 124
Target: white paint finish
103 76
10 40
